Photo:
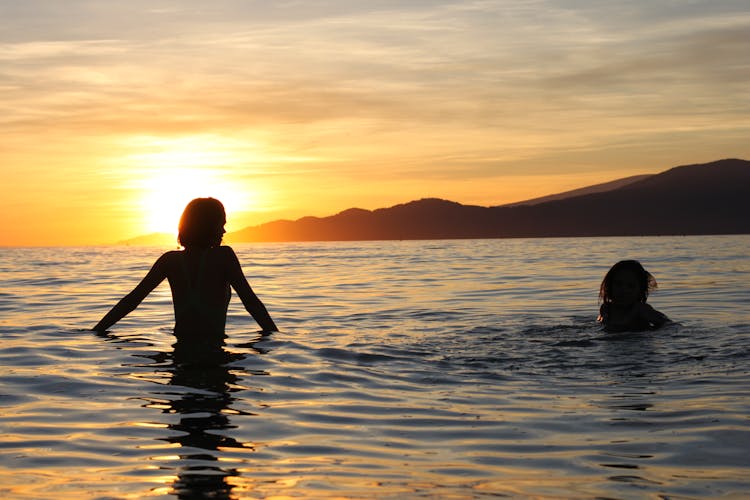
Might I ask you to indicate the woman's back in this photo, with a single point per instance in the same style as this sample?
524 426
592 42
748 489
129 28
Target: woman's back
200 291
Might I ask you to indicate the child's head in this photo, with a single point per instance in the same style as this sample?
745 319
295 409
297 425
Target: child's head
202 223
626 282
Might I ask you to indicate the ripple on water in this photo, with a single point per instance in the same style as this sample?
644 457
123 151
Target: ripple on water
450 369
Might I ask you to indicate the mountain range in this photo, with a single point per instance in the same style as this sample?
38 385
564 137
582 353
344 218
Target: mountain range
710 198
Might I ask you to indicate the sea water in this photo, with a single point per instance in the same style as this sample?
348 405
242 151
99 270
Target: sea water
403 369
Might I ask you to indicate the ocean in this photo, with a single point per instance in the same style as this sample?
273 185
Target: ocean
450 369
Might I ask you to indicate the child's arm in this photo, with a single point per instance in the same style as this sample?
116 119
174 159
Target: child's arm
603 314
152 279
654 317
252 303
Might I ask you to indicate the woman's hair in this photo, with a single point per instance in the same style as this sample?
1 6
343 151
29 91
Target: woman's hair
646 282
202 223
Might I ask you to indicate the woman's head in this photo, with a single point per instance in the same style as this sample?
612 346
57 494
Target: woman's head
202 223
626 282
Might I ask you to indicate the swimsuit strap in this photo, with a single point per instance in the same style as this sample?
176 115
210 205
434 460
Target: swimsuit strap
201 268
197 285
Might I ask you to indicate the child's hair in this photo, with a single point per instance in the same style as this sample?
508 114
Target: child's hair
201 223
646 282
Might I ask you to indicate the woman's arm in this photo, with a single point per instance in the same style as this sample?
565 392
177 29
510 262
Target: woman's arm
252 303
152 279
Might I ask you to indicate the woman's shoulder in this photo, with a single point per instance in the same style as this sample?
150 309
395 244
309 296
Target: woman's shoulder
170 257
225 252
173 254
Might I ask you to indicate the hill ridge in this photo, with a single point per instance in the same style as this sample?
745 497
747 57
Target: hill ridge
675 201
708 198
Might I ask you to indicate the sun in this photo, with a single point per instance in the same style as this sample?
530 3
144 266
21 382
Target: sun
172 174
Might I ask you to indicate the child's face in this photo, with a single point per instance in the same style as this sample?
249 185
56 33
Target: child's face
625 288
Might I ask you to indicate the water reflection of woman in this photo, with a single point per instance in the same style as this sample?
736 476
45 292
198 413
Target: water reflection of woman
202 432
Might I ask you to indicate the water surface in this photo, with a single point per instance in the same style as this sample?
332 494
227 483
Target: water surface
435 369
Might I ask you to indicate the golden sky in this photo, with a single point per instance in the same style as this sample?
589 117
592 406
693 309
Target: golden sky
115 114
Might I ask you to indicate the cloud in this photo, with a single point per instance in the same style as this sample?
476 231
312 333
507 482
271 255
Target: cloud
480 79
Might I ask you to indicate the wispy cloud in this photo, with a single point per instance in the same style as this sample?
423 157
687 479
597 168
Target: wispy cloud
419 91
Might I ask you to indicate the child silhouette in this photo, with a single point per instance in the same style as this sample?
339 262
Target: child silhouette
200 277
623 295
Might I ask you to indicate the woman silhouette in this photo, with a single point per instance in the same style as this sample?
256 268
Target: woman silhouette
200 277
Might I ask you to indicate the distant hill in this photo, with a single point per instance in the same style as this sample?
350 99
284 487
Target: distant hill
160 239
712 198
596 188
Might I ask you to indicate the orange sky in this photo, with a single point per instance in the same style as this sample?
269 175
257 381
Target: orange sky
115 114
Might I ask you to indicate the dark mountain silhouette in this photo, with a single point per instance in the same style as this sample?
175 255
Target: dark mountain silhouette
712 198
596 188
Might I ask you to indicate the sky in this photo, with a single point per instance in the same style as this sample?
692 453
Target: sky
114 114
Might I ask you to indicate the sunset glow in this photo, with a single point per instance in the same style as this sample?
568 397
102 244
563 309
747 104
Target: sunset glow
175 171
116 114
